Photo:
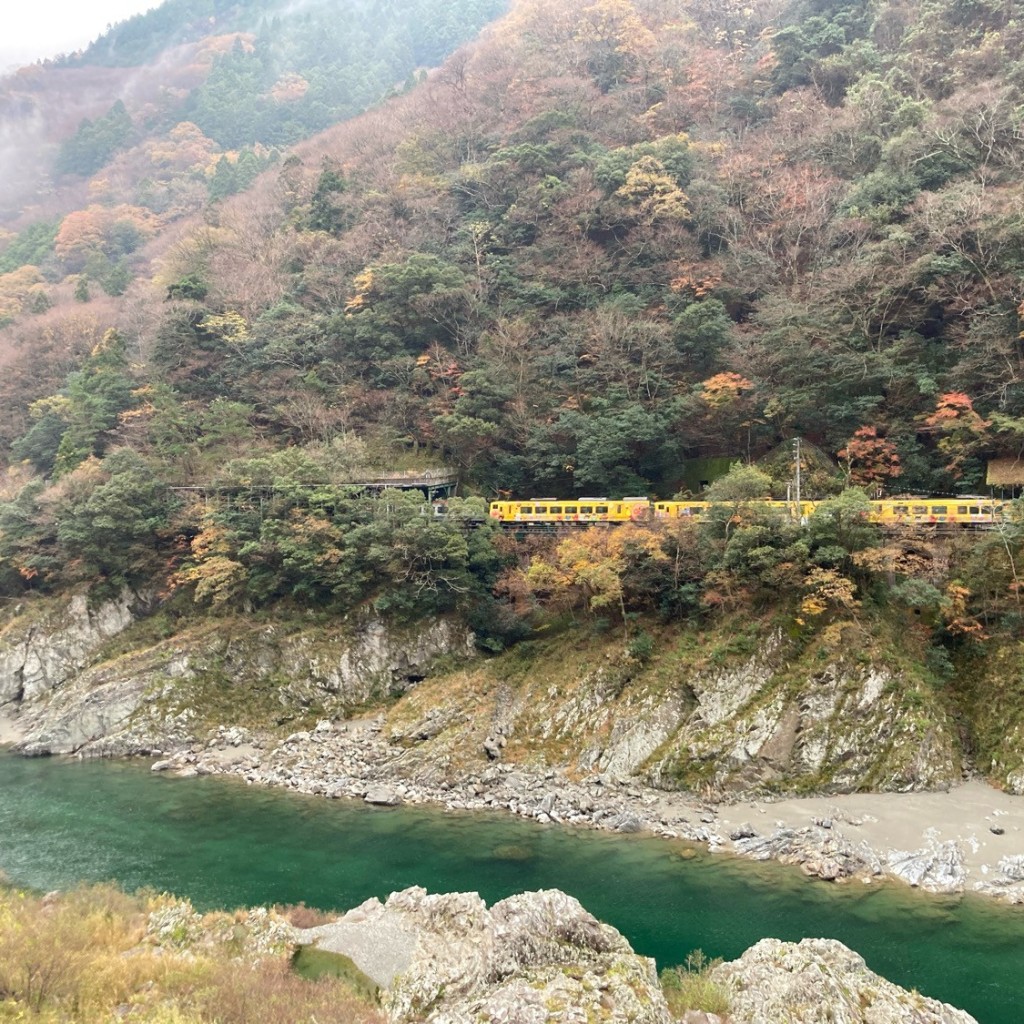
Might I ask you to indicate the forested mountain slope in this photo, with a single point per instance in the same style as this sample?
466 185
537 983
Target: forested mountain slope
604 238
196 83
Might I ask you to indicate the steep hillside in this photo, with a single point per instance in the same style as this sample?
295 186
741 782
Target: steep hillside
598 242
221 81
604 239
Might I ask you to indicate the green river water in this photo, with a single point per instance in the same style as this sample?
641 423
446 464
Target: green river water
223 844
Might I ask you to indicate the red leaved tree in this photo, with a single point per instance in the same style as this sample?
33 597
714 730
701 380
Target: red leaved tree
870 461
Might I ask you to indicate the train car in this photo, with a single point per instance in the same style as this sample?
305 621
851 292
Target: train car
554 511
963 512
679 509
696 509
924 511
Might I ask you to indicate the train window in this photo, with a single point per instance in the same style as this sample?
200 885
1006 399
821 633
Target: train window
900 510
555 510
540 510
586 510
986 510
961 510
940 510
571 510
975 510
601 510
526 510
920 510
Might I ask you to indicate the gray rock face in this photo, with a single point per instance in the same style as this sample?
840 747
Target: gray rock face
821 981
41 654
87 717
530 959
376 659
69 701
837 727
776 719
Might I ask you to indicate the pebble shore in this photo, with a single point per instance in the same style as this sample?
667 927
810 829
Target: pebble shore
831 838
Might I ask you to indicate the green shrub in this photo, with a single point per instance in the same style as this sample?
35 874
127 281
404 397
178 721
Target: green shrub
641 647
690 987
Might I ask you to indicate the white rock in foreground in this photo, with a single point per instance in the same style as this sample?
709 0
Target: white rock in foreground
540 957
531 958
821 981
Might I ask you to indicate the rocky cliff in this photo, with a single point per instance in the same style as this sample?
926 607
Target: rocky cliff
994 698
534 957
104 680
820 981
739 709
705 713
46 644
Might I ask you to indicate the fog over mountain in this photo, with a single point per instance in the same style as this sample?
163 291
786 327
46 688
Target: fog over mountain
42 30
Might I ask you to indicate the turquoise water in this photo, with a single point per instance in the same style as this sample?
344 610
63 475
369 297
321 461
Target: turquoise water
223 845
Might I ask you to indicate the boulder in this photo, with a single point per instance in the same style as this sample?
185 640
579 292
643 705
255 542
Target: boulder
383 796
936 867
820 981
535 957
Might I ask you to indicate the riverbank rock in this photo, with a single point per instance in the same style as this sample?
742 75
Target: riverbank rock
820 853
821 981
936 867
382 796
1007 884
535 957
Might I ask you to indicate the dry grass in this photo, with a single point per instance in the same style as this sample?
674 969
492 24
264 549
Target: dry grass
84 956
234 992
298 915
65 951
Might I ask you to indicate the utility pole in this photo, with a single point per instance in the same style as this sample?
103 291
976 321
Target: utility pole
796 452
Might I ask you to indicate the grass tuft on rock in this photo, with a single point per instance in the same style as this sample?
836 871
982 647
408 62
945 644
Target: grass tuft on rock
690 987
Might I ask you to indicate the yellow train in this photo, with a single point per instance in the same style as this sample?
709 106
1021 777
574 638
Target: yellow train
970 512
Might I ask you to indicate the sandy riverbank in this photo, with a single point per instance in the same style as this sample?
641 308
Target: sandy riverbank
904 821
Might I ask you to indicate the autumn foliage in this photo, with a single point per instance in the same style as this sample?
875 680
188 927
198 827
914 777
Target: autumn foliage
870 461
609 247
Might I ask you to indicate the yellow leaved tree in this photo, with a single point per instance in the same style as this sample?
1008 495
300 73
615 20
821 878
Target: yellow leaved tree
589 568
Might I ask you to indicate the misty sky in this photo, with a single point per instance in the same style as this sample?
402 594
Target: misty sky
33 29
